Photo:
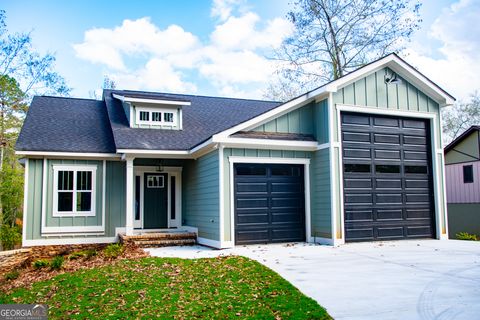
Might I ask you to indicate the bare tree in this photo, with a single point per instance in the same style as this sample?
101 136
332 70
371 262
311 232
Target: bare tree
460 117
334 37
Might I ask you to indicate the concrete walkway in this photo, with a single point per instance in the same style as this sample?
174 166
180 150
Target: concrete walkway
427 279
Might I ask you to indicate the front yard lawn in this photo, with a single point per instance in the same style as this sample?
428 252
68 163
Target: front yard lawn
226 287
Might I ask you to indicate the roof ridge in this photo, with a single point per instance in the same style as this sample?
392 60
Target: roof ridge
191 95
70 98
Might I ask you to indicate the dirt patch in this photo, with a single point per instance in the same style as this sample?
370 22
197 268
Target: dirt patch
29 275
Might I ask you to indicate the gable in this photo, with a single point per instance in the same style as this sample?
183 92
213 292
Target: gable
372 91
466 150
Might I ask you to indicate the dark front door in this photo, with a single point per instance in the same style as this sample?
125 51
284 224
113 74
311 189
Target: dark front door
387 178
269 203
155 205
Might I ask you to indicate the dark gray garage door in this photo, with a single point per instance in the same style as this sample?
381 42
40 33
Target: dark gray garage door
269 203
387 178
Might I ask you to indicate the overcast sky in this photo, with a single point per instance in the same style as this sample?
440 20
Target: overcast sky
216 47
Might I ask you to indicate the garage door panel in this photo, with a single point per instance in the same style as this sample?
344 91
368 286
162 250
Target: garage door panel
357 153
389 196
252 188
386 138
389 214
356 137
388 184
269 208
357 183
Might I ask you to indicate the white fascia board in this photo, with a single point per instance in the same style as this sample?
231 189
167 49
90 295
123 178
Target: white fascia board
66 154
274 113
151 101
267 144
153 152
404 70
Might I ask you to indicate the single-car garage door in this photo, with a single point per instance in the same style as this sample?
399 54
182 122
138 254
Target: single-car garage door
269 203
387 178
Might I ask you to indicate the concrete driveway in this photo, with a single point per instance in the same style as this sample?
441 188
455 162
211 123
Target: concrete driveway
427 279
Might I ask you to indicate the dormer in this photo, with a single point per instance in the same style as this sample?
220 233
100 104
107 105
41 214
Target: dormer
152 111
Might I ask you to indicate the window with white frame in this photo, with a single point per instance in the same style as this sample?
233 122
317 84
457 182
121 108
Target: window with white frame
155 116
74 190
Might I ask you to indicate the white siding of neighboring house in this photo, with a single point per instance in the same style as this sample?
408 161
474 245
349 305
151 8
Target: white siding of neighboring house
459 192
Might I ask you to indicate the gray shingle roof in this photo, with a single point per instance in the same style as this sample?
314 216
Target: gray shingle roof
205 117
82 125
66 125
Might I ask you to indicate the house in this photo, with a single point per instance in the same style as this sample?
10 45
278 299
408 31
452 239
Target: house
357 159
462 167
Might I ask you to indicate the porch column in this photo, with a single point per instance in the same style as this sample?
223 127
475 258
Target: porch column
129 209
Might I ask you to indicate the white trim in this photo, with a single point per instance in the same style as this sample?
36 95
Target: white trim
209 243
68 230
65 241
129 196
304 161
25 203
44 195
104 191
439 196
67 154
152 101
323 146
221 195
74 168
340 175
153 152
237 159
273 144
333 188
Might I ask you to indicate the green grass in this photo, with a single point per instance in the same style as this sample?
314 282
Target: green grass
220 288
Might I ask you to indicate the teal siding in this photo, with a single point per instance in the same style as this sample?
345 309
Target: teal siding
320 194
372 91
320 117
257 153
201 195
463 217
296 121
114 199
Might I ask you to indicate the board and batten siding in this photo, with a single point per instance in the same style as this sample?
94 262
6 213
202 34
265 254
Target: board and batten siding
200 194
320 194
457 190
114 200
296 121
255 153
371 92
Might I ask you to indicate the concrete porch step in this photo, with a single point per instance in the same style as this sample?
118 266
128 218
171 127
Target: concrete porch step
160 239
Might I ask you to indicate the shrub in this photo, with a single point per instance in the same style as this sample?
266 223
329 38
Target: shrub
113 250
12 275
9 236
87 254
466 236
56 263
40 263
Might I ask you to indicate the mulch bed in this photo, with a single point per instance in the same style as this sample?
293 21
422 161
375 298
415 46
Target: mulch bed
29 275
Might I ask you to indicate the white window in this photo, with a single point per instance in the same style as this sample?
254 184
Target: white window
74 190
156 116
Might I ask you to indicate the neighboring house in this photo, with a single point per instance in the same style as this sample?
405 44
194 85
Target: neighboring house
462 159
357 159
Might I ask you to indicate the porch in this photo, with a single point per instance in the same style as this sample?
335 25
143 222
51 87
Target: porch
165 238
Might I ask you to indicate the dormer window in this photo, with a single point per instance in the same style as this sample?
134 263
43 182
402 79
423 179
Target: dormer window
152 111
156 116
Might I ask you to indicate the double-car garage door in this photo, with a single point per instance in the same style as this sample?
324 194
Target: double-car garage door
387 178
269 203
